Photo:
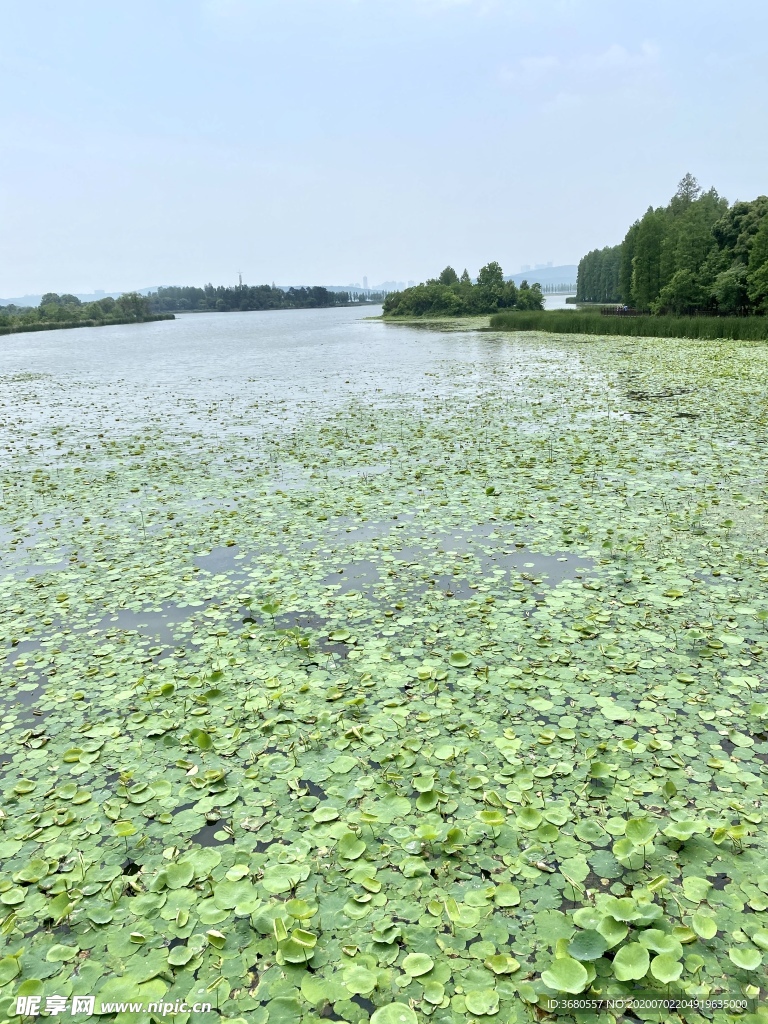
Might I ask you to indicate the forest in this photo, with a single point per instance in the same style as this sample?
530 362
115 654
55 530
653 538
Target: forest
451 295
247 297
697 254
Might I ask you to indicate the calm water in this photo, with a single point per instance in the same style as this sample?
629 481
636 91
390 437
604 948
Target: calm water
557 302
274 364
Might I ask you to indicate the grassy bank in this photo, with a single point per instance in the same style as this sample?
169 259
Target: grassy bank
51 325
734 328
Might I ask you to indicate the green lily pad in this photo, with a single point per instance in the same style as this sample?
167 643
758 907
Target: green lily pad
394 1013
483 1002
416 964
631 962
745 957
587 945
566 975
459 659
665 968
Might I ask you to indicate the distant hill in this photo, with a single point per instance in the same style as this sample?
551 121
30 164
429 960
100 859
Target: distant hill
35 300
547 275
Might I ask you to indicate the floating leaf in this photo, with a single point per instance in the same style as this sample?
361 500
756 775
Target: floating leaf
631 962
745 957
416 964
566 975
665 968
459 659
587 945
482 1001
394 1013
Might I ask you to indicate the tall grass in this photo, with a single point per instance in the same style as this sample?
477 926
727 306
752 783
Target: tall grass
737 328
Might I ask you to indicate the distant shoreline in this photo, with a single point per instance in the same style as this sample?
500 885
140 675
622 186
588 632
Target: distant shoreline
276 309
71 324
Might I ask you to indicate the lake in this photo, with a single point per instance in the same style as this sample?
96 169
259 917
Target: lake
363 670
324 357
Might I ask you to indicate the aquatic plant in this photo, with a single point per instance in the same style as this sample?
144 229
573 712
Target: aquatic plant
338 726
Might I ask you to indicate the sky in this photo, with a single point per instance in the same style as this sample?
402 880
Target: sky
318 141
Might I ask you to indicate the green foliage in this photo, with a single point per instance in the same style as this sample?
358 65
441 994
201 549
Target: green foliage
448 276
568 322
598 278
757 268
61 311
451 296
696 253
225 299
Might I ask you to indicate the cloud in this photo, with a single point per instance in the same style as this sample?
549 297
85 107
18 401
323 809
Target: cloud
617 57
572 74
225 8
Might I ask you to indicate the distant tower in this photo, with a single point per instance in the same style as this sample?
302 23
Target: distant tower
240 278
365 283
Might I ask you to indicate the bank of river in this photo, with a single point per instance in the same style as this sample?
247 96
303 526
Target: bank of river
365 669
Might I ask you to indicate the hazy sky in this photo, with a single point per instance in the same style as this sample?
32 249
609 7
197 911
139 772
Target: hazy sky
315 141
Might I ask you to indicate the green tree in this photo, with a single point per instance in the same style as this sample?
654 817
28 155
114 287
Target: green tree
626 259
529 296
646 264
688 191
491 276
681 294
730 289
449 276
757 269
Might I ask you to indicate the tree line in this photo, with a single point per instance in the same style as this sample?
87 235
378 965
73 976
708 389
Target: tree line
696 254
451 295
249 297
67 310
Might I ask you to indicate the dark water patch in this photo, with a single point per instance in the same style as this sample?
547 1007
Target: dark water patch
312 789
28 572
358 576
206 836
155 624
449 586
300 620
372 530
220 560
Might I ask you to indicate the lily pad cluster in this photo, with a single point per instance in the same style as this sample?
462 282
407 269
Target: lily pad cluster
432 702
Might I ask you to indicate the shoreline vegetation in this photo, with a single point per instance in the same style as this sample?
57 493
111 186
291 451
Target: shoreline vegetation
59 312
247 298
565 321
63 325
452 296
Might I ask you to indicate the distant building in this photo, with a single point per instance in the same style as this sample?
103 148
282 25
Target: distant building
525 266
365 283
